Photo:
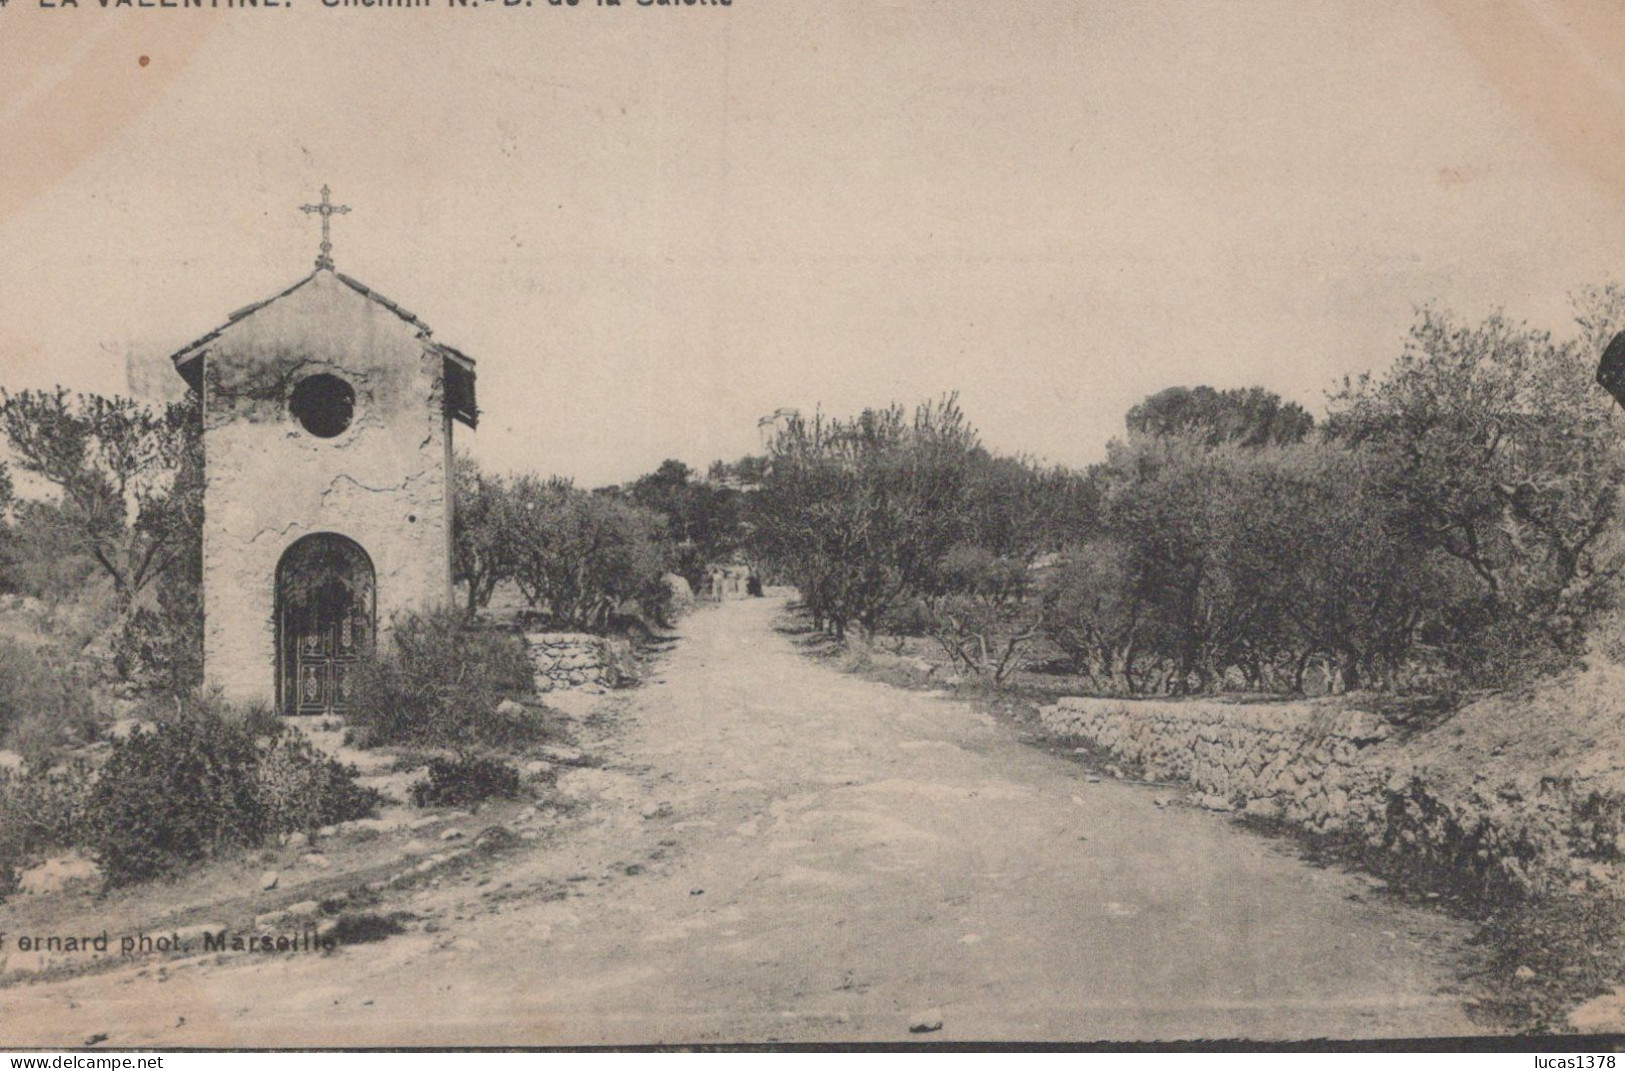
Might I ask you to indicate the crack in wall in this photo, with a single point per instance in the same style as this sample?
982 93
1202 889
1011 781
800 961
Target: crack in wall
290 526
400 488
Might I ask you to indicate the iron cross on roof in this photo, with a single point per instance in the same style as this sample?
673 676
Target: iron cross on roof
327 210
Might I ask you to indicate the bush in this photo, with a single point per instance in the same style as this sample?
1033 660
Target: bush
452 782
45 702
39 812
12 856
204 783
46 809
175 795
909 617
440 684
302 789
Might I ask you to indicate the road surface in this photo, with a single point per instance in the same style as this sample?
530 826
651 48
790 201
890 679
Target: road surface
775 850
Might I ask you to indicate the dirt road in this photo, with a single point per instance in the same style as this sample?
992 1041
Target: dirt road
775 850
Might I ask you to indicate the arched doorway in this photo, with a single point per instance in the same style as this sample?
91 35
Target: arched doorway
325 622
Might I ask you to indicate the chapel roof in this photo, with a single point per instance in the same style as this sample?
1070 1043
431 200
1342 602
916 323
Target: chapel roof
458 367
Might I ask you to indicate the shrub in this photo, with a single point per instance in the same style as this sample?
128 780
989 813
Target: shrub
440 684
302 789
363 927
12 856
45 702
203 783
47 809
40 811
257 717
468 779
909 617
175 795
260 718
41 691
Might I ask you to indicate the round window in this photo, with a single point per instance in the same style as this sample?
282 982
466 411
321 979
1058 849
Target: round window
323 405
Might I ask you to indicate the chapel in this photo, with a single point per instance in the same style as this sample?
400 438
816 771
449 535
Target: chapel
327 440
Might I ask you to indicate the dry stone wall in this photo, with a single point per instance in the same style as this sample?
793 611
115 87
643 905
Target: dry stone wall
579 660
1340 774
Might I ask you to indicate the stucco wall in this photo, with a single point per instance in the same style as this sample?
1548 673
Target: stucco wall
1341 774
383 482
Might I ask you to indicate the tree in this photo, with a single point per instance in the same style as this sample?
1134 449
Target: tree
581 556
37 563
861 512
1338 575
1017 508
1251 416
748 471
1599 313
1506 457
703 517
981 617
130 478
1161 497
483 533
885 509
8 537
1232 566
160 643
1094 613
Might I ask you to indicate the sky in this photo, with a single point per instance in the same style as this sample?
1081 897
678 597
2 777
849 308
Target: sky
651 227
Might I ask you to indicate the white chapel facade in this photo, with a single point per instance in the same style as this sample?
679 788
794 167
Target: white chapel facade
327 435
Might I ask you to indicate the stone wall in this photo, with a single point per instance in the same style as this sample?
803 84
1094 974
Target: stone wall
578 660
1340 774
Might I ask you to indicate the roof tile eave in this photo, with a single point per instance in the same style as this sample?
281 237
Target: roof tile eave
193 350
368 292
188 353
